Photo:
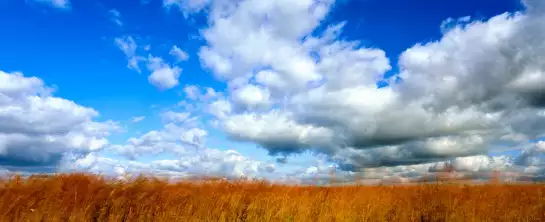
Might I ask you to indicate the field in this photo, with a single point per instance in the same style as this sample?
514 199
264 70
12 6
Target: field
79 197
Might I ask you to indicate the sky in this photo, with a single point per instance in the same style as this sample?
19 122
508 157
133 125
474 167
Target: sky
274 89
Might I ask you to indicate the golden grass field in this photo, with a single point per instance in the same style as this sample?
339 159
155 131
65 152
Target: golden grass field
79 197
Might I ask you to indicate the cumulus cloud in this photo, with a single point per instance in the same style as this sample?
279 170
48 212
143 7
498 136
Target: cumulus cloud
251 97
205 163
191 92
39 130
480 84
171 116
293 86
430 150
194 92
221 108
191 156
173 138
472 168
163 76
274 130
178 53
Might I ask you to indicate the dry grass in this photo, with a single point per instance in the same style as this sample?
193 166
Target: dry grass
79 197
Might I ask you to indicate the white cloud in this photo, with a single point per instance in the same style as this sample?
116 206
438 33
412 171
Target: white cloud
532 155
38 129
211 93
274 130
251 96
174 138
480 84
179 54
273 27
128 46
194 92
191 91
192 158
220 65
204 163
220 108
188 6
137 119
179 117
116 17
194 136
293 89
62 4
163 76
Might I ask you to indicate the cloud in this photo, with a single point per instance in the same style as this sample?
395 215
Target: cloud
473 168
179 54
116 17
480 84
183 140
194 92
163 76
251 96
532 155
430 150
205 163
62 4
275 130
39 130
171 116
137 119
191 91
187 6
173 138
128 46
220 108
294 86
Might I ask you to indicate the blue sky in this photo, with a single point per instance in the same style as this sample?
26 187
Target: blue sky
71 46
74 49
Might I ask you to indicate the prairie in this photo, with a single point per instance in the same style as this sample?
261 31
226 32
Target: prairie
85 197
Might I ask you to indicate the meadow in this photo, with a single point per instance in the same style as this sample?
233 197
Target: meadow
84 197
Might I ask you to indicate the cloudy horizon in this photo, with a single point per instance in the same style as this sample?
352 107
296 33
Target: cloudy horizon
273 89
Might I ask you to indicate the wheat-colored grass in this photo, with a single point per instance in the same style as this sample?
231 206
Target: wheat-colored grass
79 197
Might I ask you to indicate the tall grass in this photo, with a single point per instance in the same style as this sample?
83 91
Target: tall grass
79 197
